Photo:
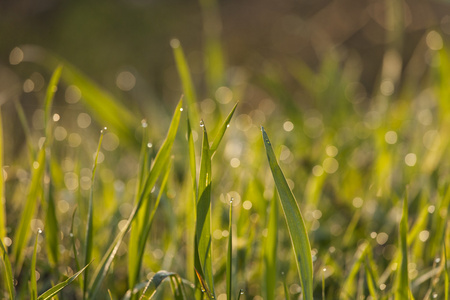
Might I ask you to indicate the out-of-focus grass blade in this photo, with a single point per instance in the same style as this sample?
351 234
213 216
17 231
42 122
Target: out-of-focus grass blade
446 273
222 130
34 192
203 226
33 281
186 79
2 184
89 226
402 283
26 129
51 225
8 271
49 95
349 285
192 163
270 250
230 252
154 283
47 295
295 222
74 248
159 163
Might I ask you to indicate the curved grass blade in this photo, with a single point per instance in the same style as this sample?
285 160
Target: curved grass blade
295 222
47 295
230 253
8 271
270 250
89 226
203 225
154 283
402 283
160 163
186 79
222 130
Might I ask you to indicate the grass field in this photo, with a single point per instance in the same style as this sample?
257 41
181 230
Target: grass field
343 196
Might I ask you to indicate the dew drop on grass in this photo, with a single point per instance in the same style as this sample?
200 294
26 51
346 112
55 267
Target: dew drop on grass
39 230
103 130
144 123
71 235
435 295
437 260
241 292
228 125
324 269
149 145
202 124
231 200
181 109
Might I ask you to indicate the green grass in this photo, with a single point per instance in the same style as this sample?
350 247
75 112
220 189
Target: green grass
198 205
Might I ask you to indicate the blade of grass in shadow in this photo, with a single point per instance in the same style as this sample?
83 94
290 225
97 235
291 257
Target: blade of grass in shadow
8 271
203 225
89 238
186 79
402 283
270 250
158 165
295 223
33 281
51 224
2 184
50 293
222 130
230 252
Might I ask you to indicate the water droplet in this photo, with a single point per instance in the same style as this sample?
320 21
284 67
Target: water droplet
324 269
231 200
435 295
39 230
181 109
149 145
202 124
437 260
228 125
71 234
144 123
241 292
103 130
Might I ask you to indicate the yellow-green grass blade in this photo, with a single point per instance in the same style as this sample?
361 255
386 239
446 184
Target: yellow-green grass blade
50 293
154 283
74 248
33 281
192 163
230 253
89 237
49 96
34 192
160 162
186 80
270 250
349 285
446 273
105 107
221 131
203 225
26 129
295 223
402 283
2 184
142 219
51 224
9 277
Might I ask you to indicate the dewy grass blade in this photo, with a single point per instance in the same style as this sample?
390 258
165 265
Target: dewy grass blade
159 163
2 184
270 250
89 226
402 283
192 163
51 223
203 225
33 281
8 270
50 293
186 80
154 283
222 130
49 95
295 223
230 253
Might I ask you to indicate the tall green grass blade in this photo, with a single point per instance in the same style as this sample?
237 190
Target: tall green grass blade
160 162
26 129
33 281
34 193
2 184
9 278
222 130
270 250
49 95
230 253
192 163
296 225
88 247
50 293
402 283
186 80
203 226
154 283
74 249
51 225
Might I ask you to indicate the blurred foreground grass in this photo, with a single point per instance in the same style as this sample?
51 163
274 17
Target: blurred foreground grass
149 212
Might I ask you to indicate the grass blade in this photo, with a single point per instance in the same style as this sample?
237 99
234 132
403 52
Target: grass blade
349 285
203 225
47 295
154 283
446 273
51 225
89 226
186 79
160 162
402 284
49 95
270 250
8 271
2 184
296 225
33 281
230 253
222 130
